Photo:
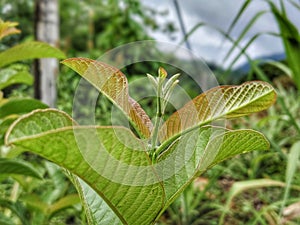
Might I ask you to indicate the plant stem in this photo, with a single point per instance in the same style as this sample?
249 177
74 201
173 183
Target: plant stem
163 91
158 117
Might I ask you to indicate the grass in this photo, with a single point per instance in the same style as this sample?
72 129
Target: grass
269 193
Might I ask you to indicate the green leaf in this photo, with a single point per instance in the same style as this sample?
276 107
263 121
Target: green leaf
199 150
20 106
29 50
112 83
8 28
35 201
111 161
14 166
291 40
9 76
108 159
96 209
182 159
218 103
4 125
235 142
62 203
284 68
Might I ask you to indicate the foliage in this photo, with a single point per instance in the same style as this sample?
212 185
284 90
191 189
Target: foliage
8 28
289 35
286 119
281 126
18 74
23 12
272 187
139 181
291 39
243 189
259 187
97 27
288 32
91 28
21 180
29 50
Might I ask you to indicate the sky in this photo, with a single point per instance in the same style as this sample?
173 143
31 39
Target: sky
207 42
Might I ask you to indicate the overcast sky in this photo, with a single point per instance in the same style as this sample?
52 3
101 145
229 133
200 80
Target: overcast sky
209 44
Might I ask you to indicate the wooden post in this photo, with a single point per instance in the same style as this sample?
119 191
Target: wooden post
46 30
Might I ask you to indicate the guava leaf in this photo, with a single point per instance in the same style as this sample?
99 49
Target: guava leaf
9 76
13 166
113 84
199 150
8 28
6 122
29 50
37 202
20 106
219 103
96 209
111 160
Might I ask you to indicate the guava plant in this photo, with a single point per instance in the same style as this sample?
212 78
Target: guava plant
19 201
131 175
12 73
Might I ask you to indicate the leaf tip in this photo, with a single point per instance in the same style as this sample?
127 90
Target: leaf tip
162 72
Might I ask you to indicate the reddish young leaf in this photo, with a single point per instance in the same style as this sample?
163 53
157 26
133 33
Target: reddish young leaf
219 103
112 83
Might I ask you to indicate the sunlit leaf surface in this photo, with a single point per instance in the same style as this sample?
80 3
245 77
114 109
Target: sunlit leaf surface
108 151
115 164
29 50
112 83
219 103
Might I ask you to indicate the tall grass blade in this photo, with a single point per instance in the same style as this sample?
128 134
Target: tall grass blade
239 187
244 32
293 160
238 16
196 27
291 41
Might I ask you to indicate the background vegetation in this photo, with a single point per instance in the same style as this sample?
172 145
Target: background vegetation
256 188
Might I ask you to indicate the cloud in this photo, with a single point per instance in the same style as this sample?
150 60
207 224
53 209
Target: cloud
210 44
214 12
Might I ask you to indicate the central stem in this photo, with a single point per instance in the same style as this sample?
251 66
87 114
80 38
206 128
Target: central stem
158 117
163 91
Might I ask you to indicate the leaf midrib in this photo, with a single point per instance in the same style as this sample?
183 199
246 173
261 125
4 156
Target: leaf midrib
75 127
167 142
116 211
